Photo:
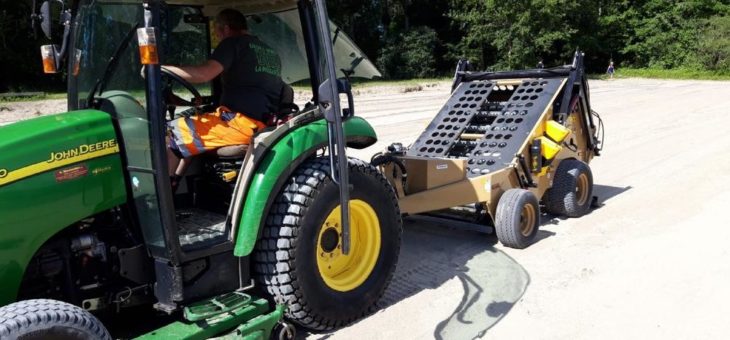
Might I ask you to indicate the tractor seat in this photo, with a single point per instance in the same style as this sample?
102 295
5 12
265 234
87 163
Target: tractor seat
232 151
286 107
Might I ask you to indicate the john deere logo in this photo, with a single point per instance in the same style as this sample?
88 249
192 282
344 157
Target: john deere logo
3 173
82 150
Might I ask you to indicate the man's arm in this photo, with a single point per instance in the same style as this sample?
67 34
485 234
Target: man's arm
197 74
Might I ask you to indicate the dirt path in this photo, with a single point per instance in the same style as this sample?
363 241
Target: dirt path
14 111
651 263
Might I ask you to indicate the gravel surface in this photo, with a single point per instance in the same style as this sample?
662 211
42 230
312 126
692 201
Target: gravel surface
652 263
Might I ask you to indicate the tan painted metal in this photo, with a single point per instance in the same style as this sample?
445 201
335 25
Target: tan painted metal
487 189
429 189
471 136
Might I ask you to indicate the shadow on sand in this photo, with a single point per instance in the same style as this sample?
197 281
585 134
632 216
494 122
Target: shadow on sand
434 252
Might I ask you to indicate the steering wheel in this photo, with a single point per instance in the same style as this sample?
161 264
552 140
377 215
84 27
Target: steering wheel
172 100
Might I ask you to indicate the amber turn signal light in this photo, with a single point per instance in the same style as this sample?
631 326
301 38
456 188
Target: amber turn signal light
48 55
147 46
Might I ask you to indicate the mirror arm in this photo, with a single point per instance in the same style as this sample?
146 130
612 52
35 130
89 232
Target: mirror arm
66 19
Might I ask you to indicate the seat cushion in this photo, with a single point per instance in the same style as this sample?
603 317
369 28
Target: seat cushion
232 151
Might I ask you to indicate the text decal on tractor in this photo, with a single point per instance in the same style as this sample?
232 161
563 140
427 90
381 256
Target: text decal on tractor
60 159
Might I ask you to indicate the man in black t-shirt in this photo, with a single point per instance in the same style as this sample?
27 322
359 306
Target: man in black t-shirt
250 72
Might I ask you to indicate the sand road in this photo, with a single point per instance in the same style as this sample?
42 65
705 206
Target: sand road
652 263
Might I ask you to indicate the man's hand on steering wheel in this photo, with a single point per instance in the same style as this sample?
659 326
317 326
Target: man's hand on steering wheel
171 99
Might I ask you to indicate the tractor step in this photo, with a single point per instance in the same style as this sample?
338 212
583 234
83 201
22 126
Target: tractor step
215 306
229 316
487 122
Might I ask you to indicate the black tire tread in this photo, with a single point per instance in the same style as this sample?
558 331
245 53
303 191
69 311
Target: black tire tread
560 199
278 243
511 202
21 317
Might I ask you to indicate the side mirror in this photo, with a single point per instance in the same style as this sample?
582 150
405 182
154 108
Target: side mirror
46 22
52 55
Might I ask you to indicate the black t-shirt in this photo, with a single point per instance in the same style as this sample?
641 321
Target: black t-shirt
251 76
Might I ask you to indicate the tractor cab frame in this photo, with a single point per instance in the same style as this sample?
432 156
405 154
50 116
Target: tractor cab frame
143 134
127 240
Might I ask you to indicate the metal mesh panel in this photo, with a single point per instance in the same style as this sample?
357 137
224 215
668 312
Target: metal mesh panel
449 124
506 135
486 123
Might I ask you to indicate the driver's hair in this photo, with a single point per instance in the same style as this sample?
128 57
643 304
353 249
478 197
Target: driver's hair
232 18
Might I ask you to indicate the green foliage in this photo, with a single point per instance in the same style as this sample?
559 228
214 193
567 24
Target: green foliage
520 33
20 61
713 52
666 33
410 55
425 38
677 73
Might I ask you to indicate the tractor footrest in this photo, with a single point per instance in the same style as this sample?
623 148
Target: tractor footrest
218 305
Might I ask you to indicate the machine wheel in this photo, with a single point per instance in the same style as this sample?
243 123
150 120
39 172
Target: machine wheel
299 259
49 319
572 189
517 218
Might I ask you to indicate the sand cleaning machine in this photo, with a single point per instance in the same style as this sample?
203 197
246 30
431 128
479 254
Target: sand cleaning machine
503 143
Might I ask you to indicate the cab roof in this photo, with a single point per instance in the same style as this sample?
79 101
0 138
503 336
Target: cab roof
245 6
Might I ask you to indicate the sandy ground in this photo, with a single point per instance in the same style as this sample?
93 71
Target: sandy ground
650 264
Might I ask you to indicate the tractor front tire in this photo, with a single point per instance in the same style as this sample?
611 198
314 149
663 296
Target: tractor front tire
299 258
49 319
572 189
517 218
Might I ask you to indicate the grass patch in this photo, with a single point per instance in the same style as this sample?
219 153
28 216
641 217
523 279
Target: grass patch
680 73
11 98
403 83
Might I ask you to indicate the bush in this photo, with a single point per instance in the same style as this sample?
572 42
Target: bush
713 52
409 55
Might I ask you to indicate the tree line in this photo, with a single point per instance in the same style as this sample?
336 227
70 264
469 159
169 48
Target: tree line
419 38
425 38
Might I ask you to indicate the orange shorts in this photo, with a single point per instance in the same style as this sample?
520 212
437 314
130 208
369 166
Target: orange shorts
198 134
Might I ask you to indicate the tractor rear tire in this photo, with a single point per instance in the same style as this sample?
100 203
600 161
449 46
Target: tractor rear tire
517 219
572 190
299 260
49 319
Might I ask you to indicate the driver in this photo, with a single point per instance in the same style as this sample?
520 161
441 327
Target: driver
251 77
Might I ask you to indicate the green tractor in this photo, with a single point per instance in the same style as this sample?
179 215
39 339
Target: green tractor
287 227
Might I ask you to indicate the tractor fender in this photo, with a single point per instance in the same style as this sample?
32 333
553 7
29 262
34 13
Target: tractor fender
54 171
279 163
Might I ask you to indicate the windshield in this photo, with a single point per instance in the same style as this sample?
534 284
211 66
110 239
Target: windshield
101 26
99 29
283 32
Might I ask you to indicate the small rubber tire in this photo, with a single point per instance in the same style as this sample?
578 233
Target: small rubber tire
517 219
572 190
285 258
49 319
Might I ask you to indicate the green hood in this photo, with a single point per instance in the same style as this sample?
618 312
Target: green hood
54 171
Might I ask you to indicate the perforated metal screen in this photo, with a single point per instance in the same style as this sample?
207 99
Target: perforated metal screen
486 124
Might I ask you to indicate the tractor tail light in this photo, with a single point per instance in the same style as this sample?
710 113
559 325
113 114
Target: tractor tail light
48 54
77 62
147 46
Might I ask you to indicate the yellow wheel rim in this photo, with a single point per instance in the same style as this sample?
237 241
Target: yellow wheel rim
527 220
581 189
346 272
